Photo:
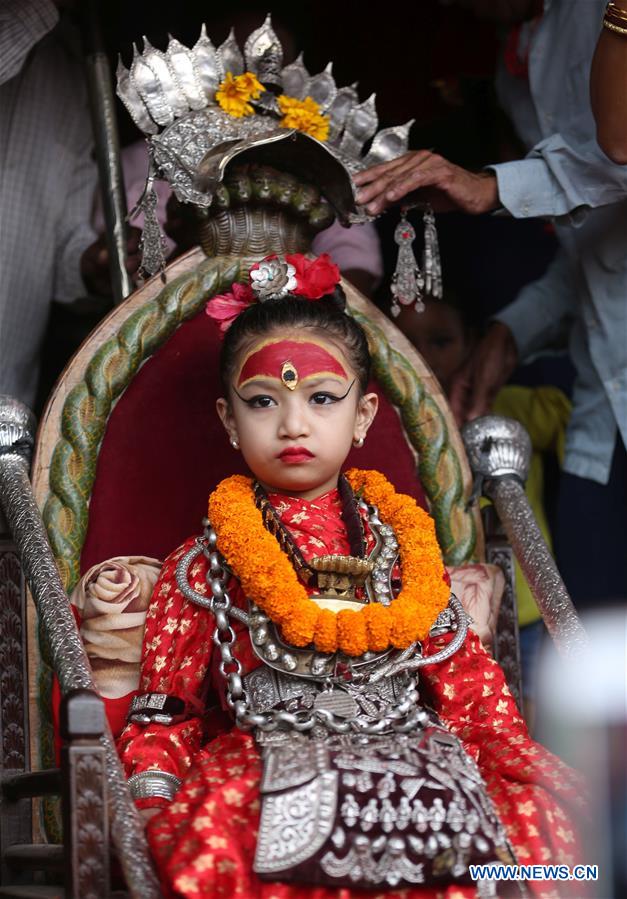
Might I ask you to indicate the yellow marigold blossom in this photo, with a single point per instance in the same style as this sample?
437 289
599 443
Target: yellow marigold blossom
250 85
234 93
269 579
303 115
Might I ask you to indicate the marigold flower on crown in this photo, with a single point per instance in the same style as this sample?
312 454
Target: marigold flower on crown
303 115
235 92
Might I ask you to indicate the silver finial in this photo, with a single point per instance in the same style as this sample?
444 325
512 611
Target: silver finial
17 428
264 54
497 447
208 64
129 95
183 66
295 79
360 126
173 97
231 55
322 88
389 144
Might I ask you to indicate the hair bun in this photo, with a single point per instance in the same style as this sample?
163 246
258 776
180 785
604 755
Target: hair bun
337 298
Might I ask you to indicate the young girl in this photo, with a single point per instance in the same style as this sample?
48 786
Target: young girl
283 744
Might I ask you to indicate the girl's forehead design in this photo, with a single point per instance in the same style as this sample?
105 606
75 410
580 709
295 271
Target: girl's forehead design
290 362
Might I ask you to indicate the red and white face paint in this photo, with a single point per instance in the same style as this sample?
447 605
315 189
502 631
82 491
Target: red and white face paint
290 363
295 409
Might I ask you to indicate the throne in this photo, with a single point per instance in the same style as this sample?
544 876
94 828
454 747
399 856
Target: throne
129 448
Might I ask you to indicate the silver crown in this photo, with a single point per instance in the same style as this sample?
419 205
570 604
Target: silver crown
171 97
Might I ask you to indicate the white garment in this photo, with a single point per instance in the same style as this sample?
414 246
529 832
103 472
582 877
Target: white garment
47 182
567 177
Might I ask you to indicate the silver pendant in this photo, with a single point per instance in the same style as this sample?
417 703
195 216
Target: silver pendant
152 244
431 257
407 280
338 702
409 283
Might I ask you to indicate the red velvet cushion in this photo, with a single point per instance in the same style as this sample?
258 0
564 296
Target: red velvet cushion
164 450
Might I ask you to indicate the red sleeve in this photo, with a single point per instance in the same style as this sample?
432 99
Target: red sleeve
176 656
469 693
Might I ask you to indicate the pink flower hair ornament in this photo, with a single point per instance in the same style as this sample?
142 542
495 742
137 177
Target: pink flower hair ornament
273 278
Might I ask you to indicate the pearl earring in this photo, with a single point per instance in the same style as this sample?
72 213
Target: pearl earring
235 443
358 442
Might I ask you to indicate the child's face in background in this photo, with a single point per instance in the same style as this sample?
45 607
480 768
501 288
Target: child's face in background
439 335
295 409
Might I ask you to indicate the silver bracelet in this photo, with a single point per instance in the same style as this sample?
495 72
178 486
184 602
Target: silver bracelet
156 708
154 784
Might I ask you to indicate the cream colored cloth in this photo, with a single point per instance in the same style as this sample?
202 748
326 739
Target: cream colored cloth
112 599
479 587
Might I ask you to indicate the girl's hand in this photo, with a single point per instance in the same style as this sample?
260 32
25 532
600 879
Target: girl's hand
148 813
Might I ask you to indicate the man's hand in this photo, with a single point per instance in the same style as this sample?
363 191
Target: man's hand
488 367
444 185
95 262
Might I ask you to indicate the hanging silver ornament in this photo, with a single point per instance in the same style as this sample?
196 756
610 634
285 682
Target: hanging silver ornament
431 266
407 280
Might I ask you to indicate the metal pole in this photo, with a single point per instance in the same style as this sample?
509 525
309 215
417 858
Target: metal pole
499 451
69 660
104 122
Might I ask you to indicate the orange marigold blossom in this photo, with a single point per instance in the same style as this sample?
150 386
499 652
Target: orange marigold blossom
377 626
235 91
249 85
303 115
325 634
269 579
351 632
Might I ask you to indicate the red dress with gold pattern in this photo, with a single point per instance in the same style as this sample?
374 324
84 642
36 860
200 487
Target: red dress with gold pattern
204 841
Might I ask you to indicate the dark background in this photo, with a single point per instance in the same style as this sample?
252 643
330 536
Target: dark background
425 61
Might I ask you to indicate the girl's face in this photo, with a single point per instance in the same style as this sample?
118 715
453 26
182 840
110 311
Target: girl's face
295 409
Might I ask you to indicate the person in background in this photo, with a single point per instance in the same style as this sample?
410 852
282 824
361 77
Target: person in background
543 84
48 249
444 336
608 83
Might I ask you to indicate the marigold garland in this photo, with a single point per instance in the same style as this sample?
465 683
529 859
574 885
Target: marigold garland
268 578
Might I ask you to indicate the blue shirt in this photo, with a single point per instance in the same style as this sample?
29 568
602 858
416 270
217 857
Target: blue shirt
582 298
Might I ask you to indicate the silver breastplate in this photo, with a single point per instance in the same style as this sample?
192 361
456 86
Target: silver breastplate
376 793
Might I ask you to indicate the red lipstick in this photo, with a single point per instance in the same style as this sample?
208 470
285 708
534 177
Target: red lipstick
293 455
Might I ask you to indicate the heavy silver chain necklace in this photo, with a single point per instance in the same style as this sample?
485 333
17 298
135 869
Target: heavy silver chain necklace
405 715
